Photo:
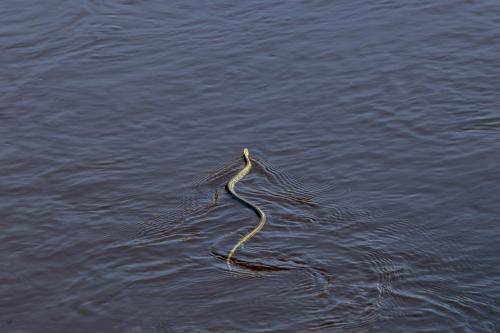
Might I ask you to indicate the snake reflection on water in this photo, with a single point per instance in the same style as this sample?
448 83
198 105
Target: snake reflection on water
230 187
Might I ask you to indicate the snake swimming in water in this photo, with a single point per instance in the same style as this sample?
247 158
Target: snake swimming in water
230 187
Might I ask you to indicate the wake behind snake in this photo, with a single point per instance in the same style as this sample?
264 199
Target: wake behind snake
230 187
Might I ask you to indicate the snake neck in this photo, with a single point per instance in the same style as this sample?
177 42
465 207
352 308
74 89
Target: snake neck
241 174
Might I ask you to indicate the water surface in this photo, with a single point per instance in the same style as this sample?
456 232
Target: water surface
374 128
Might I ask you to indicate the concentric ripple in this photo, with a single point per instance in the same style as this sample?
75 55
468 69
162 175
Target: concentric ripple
342 266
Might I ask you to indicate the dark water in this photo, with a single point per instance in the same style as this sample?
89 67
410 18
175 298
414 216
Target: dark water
374 128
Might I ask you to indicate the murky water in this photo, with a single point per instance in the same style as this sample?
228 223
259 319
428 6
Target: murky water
374 129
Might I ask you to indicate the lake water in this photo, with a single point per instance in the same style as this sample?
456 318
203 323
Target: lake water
374 132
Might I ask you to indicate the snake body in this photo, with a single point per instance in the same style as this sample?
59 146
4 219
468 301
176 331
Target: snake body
230 187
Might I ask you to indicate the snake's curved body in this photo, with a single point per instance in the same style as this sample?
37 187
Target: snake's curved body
230 187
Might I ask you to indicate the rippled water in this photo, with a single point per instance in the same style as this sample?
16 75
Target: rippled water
374 128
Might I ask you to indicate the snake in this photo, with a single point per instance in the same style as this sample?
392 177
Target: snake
262 217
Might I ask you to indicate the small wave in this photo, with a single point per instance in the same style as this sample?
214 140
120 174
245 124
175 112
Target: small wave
199 201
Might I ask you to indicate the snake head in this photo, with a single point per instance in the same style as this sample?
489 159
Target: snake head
246 153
